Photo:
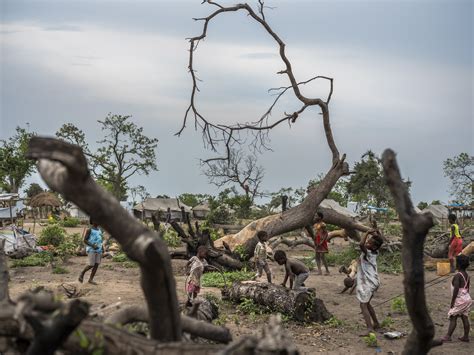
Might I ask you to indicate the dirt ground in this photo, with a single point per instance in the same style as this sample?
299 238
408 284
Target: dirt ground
117 283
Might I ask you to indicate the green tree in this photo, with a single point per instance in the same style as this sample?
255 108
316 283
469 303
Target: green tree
460 170
338 192
33 190
138 194
422 205
367 183
123 152
193 200
14 166
436 202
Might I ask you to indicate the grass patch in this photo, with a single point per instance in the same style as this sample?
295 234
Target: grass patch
333 322
387 322
344 257
248 306
390 263
37 259
124 260
60 270
399 305
217 279
371 340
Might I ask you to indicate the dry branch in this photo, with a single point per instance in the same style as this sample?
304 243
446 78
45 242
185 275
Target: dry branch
415 228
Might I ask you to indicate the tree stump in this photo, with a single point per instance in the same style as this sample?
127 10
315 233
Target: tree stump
302 306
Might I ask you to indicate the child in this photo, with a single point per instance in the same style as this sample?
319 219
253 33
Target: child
197 265
455 243
261 256
350 282
321 243
367 277
294 269
461 300
94 247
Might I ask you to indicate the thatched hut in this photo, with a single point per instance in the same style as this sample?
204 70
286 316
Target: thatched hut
162 206
201 211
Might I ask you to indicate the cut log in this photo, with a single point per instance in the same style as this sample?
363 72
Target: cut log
303 306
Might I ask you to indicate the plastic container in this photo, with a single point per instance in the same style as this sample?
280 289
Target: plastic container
443 268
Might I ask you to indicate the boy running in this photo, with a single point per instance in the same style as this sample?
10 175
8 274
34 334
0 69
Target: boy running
94 246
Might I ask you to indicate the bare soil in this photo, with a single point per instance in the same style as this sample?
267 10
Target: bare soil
119 284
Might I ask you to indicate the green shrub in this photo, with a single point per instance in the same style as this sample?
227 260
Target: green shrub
248 306
172 238
399 305
52 235
213 231
37 259
70 222
371 340
216 279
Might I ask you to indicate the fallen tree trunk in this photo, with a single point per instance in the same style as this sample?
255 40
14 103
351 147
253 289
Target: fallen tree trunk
300 305
288 221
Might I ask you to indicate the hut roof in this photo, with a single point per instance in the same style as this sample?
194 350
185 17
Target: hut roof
202 207
438 211
45 199
161 204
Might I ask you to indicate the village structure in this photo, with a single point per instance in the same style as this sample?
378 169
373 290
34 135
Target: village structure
100 254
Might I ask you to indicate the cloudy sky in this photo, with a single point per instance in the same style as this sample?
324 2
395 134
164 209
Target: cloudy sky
403 75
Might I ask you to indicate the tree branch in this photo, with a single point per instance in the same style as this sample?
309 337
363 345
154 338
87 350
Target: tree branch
415 228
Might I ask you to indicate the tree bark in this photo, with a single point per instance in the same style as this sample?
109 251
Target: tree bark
281 223
300 305
415 228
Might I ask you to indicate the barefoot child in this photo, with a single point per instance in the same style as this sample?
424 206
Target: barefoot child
197 265
295 270
261 256
455 243
94 246
321 243
461 300
367 277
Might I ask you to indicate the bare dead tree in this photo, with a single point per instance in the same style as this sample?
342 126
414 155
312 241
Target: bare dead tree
238 169
223 139
415 228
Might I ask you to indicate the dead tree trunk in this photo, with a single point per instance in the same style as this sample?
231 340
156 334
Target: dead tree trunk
292 219
195 238
300 305
415 228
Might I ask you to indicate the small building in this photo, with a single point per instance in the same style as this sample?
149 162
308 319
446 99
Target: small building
201 211
76 212
439 213
160 206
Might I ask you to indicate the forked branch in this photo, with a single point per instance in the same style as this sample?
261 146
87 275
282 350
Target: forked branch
214 134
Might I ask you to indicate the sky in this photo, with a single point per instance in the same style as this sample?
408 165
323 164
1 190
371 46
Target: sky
403 79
